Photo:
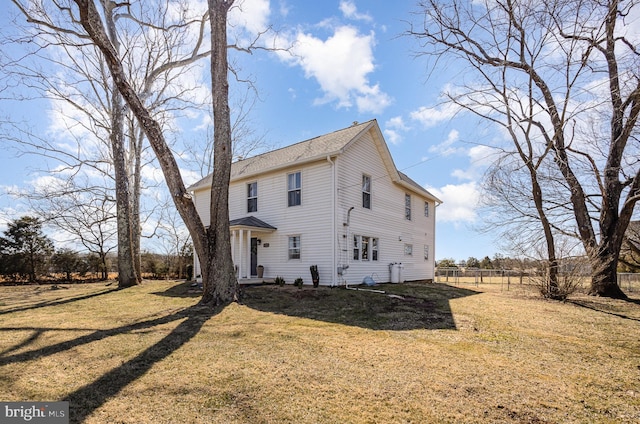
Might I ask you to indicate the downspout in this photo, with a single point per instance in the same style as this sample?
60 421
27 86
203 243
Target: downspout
334 266
346 285
348 243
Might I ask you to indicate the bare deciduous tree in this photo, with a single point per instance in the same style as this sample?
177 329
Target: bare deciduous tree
212 245
87 213
96 103
560 55
630 256
83 21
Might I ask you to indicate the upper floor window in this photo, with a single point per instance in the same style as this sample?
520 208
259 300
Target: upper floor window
426 209
407 206
366 191
294 189
252 197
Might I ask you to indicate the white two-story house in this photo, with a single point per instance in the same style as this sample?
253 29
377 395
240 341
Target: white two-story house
336 201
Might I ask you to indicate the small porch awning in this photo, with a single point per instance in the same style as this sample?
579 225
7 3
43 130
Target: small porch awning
250 223
244 256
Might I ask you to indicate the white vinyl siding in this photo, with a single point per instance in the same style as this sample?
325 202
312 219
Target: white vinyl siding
323 231
386 216
311 220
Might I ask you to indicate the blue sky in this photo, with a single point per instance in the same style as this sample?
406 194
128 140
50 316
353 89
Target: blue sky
351 63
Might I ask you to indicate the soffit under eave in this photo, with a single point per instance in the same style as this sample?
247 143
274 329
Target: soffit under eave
419 191
291 165
205 184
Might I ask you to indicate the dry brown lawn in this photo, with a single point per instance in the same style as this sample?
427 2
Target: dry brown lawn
431 353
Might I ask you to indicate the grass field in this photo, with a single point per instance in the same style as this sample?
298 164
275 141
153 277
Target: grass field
430 353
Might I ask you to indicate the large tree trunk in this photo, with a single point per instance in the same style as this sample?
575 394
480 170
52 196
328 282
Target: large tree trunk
135 172
219 279
613 226
552 261
213 251
604 280
127 275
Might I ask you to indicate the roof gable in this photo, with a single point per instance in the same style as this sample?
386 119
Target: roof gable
318 148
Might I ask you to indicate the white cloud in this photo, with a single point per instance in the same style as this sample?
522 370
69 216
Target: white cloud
448 147
349 10
47 184
396 123
392 136
341 64
459 202
432 116
371 99
480 158
284 8
250 15
393 129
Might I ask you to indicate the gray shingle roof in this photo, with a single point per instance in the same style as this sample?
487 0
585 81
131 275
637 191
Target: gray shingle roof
305 151
308 151
251 221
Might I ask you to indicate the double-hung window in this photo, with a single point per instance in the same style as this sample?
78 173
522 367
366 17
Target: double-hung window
252 197
366 191
365 248
426 209
407 207
294 247
294 189
374 249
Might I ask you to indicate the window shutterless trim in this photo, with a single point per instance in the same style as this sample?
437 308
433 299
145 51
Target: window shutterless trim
294 189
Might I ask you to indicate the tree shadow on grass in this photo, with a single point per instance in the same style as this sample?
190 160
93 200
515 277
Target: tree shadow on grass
87 399
606 306
407 306
185 289
58 301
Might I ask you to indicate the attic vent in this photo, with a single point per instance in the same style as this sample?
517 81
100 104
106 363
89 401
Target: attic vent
355 123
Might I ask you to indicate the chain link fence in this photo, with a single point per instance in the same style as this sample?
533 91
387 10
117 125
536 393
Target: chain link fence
628 282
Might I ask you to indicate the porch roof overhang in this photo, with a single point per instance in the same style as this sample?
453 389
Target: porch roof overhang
250 223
